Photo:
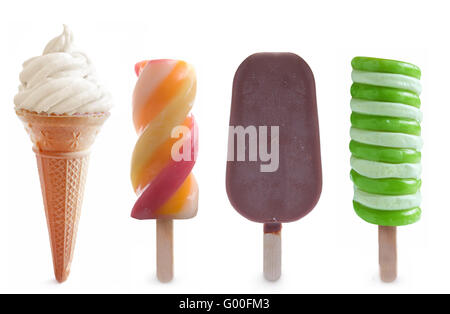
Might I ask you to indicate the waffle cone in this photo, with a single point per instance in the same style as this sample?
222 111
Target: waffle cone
61 144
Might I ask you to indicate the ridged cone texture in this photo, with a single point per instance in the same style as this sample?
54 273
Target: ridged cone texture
61 144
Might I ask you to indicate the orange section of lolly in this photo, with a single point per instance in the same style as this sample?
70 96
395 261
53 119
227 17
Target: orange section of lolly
144 113
175 204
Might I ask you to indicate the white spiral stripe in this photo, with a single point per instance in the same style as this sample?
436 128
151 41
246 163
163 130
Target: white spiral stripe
387 202
379 170
388 80
386 139
388 109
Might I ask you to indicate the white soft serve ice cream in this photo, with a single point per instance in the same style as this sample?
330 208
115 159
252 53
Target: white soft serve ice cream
61 81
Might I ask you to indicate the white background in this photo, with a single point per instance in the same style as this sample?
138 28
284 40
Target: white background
330 250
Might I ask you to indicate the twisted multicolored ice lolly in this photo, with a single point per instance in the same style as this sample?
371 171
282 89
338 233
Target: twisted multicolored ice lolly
386 145
161 168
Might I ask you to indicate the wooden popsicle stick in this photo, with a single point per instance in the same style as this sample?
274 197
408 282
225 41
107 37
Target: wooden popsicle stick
272 252
164 249
387 245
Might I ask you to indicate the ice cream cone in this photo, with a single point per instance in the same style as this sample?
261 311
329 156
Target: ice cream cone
61 144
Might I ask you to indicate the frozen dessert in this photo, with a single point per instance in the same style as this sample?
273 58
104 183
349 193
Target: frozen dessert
62 107
61 81
386 149
274 123
165 152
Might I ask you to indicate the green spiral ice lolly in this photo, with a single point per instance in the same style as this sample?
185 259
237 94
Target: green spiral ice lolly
386 145
385 141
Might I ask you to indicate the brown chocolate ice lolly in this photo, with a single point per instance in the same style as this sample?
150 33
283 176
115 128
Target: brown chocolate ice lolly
273 113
